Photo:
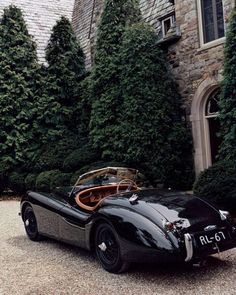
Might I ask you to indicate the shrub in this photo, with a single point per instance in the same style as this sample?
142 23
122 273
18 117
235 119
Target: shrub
17 182
43 180
218 184
58 106
2 183
49 180
30 181
18 87
150 133
60 180
228 91
53 155
79 158
105 88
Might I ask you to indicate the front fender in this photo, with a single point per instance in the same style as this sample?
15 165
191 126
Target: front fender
140 238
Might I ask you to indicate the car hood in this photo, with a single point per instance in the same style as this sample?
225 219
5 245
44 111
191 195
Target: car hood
185 211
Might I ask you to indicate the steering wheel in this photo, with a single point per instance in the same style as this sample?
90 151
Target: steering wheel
130 183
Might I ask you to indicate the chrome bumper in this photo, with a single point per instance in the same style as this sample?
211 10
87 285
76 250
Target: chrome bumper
189 247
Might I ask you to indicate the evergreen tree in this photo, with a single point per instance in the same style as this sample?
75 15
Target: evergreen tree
59 104
105 77
151 134
227 102
18 86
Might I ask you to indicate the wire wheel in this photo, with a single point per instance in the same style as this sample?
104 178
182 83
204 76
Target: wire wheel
30 223
108 249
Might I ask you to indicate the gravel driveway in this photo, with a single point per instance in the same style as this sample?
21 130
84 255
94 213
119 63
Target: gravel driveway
50 267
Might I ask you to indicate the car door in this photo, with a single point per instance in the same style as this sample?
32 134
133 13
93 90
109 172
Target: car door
47 209
73 224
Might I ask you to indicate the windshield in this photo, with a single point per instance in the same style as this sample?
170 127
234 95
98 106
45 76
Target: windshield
107 176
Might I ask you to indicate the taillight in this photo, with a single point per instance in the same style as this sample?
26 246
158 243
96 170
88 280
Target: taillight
168 226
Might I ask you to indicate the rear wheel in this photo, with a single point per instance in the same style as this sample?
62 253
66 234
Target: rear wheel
30 224
108 249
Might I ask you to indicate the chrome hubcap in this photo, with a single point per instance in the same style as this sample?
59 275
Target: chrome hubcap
102 247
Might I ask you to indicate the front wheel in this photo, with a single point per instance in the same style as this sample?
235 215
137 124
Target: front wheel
30 224
108 249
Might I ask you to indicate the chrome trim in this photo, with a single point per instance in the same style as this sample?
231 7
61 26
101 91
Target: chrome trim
224 214
189 247
210 227
133 199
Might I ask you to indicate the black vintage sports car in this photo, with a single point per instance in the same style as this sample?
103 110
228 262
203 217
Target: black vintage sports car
107 212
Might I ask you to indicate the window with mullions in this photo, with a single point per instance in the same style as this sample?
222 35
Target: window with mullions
213 20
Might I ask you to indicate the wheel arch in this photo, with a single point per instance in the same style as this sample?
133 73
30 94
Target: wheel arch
23 208
95 225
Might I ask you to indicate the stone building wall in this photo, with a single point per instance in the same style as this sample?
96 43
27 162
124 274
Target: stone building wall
198 71
87 14
197 67
192 62
40 17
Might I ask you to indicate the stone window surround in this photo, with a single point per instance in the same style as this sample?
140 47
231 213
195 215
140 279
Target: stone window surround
200 29
171 18
200 130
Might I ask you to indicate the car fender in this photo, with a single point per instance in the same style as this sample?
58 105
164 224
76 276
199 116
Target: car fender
138 235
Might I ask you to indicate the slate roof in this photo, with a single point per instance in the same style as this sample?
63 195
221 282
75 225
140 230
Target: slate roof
41 16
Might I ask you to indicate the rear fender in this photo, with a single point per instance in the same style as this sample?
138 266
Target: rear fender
137 233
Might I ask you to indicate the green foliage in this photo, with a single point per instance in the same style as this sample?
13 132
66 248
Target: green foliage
17 182
228 95
105 76
3 177
58 106
43 180
48 180
60 180
2 183
151 134
80 157
53 154
136 116
18 88
30 181
218 184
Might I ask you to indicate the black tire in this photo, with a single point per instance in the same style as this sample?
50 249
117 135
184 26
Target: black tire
108 249
30 224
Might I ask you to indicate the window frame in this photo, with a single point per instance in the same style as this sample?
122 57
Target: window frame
214 42
170 17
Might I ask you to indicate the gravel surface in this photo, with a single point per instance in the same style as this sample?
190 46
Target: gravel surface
49 267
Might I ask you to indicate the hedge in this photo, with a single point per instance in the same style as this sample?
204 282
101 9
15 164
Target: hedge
218 184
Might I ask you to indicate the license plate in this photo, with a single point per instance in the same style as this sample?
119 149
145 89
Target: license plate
212 237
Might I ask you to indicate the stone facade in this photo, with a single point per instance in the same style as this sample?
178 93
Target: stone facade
197 67
87 14
40 17
198 70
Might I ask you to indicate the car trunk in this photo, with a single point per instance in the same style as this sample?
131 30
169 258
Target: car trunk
187 212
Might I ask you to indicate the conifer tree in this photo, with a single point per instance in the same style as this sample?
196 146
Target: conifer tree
58 106
227 102
151 133
18 86
105 81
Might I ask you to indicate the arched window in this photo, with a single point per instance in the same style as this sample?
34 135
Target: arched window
212 127
212 107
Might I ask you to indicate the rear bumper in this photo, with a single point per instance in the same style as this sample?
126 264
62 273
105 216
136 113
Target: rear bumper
194 252
186 253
